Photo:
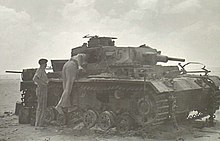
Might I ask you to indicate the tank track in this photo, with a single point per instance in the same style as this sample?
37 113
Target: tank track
161 101
163 110
217 99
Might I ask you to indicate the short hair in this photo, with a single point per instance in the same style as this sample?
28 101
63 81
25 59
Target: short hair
42 61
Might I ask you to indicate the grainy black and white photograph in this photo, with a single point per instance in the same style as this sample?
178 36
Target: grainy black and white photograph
109 70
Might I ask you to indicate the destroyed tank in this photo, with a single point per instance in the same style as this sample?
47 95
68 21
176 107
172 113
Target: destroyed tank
124 87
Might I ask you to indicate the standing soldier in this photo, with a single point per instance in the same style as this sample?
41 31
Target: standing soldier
41 80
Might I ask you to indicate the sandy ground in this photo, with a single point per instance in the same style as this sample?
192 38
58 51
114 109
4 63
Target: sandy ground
11 130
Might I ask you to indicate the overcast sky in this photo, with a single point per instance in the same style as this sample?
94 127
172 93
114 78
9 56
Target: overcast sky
31 29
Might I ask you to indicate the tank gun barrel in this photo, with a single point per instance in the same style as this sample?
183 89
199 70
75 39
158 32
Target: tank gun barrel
154 58
163 58
13 71
175 59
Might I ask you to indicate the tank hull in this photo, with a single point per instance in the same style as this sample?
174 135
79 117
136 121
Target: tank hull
142 103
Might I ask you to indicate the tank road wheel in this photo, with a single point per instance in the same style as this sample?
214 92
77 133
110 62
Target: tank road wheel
106 120
49 114
90 118
124 123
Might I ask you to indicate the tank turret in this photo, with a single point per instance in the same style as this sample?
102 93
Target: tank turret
103 49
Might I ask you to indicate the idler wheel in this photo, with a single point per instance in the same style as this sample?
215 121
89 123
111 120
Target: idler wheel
124 123
106 120
49 114
90 118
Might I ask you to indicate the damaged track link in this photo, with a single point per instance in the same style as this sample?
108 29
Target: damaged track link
217 99
158 103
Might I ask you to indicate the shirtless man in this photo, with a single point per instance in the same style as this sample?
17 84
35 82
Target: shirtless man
69 75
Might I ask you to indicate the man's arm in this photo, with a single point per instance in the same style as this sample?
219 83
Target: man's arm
38 80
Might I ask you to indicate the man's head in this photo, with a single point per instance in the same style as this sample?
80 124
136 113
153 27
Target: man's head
80 57
43 62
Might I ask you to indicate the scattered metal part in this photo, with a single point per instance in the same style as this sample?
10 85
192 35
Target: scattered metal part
180 139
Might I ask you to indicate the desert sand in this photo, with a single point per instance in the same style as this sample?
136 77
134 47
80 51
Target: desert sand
11 130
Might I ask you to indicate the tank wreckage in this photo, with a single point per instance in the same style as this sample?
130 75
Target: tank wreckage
123 87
